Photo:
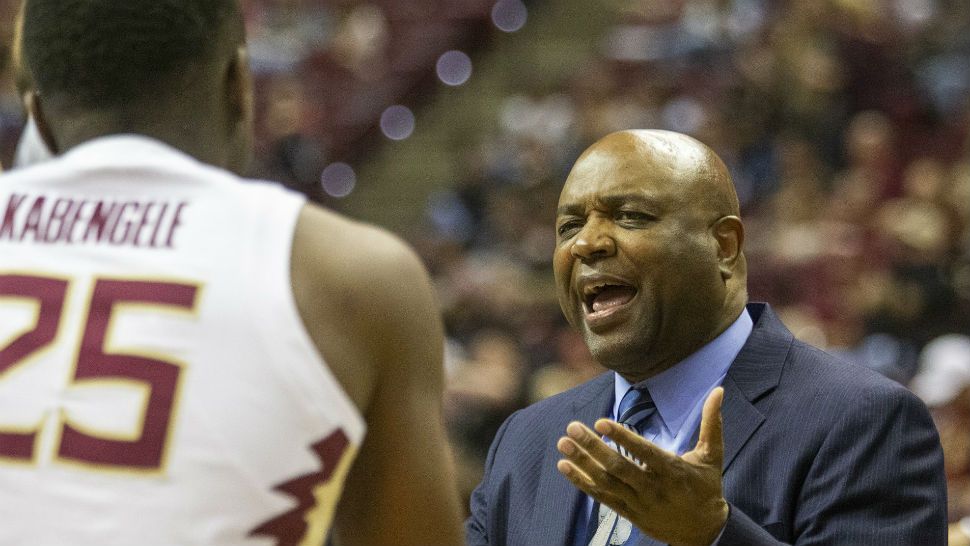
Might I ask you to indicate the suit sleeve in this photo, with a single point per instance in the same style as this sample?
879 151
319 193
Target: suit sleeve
877 479
476 526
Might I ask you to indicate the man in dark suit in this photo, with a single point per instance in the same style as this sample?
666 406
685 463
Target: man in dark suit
649 267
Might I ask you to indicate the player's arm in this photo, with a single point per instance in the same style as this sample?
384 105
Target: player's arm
401 489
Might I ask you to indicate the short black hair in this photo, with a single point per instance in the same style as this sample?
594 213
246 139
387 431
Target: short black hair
106 53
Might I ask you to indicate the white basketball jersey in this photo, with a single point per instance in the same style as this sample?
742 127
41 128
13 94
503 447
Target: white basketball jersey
157 385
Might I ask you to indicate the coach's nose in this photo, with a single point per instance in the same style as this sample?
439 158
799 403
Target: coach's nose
593 242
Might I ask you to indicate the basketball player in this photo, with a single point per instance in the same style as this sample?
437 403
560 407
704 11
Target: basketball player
188 358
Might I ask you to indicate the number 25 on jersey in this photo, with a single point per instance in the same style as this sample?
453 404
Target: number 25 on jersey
94 362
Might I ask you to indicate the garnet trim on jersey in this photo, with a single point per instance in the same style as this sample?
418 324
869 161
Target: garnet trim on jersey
291 526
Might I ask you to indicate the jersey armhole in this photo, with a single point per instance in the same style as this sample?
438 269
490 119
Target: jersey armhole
301 364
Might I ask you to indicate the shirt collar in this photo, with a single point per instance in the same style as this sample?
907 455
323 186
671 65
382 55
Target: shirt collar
677 390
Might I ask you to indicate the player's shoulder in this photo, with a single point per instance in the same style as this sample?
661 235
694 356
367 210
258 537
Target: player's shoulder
358 277
331 228
353 251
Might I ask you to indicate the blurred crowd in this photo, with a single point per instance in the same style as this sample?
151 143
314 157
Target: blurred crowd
326 69
845 123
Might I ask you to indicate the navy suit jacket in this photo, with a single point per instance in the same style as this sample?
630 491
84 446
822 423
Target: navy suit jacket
816 451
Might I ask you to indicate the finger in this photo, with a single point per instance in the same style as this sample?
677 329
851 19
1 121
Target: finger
710 441
593 444
643 450
575 474
602 463
578 456
583 482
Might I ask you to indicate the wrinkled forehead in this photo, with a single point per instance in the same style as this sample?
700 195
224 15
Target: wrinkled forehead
660 166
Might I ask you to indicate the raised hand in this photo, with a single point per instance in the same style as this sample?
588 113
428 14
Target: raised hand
676 500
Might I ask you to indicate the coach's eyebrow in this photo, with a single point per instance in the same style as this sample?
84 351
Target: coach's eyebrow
617 200
611 202
570 210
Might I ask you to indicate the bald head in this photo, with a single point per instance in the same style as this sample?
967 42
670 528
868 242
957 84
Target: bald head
653 215
689 167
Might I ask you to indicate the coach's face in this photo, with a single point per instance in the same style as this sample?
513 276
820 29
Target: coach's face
636 259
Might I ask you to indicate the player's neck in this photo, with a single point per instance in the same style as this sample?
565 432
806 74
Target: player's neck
197 135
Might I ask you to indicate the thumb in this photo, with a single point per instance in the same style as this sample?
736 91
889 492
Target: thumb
710 442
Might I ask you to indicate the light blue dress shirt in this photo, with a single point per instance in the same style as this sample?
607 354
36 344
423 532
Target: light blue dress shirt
680 391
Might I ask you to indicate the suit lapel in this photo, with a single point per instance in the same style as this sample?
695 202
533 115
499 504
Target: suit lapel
556 497
740 419
754 374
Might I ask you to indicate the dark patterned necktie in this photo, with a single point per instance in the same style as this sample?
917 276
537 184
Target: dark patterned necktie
635 409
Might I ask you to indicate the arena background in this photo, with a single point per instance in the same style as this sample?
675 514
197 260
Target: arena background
844 122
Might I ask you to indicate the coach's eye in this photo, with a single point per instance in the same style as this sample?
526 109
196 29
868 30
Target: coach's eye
633 217
569 227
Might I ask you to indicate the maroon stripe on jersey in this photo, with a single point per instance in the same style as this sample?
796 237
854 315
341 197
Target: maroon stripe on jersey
290 527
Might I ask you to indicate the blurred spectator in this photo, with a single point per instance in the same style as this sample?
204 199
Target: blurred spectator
284 33
944 384
919 232
292 156
360 43
484 387
574 365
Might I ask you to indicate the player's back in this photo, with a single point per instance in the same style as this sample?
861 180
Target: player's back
157 385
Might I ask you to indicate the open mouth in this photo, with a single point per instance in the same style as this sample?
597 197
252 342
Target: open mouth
603 298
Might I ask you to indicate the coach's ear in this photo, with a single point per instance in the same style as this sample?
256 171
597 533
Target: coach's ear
728 231
32 102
